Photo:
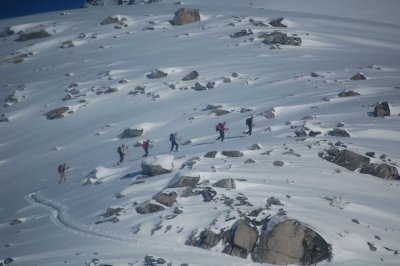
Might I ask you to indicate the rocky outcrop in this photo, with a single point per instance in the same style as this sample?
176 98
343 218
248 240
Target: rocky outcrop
185 16
33 35
228 183
290 242
166 199
382 109
157 165
56 113
131 133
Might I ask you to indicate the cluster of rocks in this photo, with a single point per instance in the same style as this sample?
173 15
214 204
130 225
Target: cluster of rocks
353 161
116 20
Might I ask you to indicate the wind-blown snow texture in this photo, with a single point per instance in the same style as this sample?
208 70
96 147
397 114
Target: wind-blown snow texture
339 39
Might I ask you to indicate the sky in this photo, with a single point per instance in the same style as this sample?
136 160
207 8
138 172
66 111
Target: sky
17 8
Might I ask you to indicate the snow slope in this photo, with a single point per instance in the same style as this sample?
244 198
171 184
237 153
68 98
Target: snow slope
58 222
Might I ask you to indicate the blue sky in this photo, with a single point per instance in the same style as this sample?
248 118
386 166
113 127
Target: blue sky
16 8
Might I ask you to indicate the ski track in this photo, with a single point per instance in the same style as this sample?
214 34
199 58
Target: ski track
61 219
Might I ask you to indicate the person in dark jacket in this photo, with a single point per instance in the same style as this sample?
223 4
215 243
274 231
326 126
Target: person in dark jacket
221 128
249 123
173 137
62 168
122 151
146 145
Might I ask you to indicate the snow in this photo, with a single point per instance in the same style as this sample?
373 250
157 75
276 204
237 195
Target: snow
340 39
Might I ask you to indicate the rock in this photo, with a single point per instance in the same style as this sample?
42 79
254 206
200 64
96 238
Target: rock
157 165
315 75
273 201
184 181
33 35
15 222
277 23
166 199
199 87
350 160
255 147
156 74
116 19
67 44
210 154
301 133
131 133
190 163
314 133
243 235
67 97
110 90
191 76
149 208
384 171
208 194
232 153
358 76
370 154
186 15
381 109
241 33
6 32
277 37
220 112
113 211
348 94
338 132
56 113
278 163
4 118
269 114
207 239
210 85
228 183
257 23
250 161
290 242
212 107
8 261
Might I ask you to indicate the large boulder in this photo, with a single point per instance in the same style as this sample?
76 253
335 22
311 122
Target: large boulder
290 242
228 183
157 165
350 160
166 199
382 109
131 133
186 15
207 239
384 171
56 113
241 239
184 181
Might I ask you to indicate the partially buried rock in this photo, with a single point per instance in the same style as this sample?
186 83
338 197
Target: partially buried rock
56 113
232 153
156 74
210 154
157 165
166 199
184 181
149 208
277 23
358 76
228 183
338 132
33 35
131 133
348 94
186 15
382 109
191 76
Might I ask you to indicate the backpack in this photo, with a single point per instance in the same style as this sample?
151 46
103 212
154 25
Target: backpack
218 127
60 168
248 121
171 137
119 150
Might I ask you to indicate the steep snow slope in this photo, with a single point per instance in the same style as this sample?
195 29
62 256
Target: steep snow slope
58 222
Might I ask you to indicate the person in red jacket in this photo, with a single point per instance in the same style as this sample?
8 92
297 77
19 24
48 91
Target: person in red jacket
221 128
62 168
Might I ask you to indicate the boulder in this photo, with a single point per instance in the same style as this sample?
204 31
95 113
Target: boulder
212 107
131 133
242 33
33 35
384 171
149 208
358 76
382 109
208 194
207 239
156 74
350 160
243 235
4 118
184 181
113 211
228 183
278 163
199 87
166 199
255 147
269 114
6 32
67 44
277 22
191 76
338 132
290 242
220 112
186 15
232 153
348 94
210 154
277 37
56 113
157 165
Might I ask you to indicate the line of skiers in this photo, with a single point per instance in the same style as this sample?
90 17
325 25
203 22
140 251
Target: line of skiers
122 150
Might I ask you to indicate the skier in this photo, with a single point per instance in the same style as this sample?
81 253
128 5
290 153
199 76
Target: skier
62 168
146 145
122 151
221 128
173 137
249 123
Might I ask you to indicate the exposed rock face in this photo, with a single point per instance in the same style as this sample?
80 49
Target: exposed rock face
156 74
131 133
232 153
191 76
358 76
228 183
290 242
207 239
382 109
157 165
350 160
56 113
149 208
186 15
338 132
33 35
166 199
184 181
245 236
382 170
277 37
